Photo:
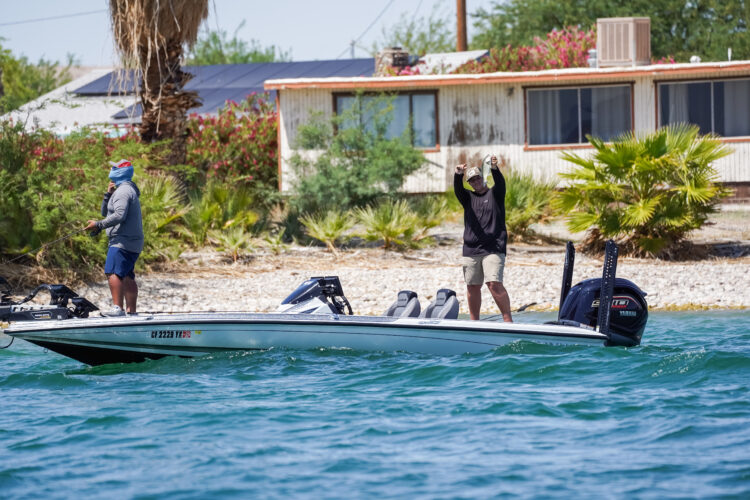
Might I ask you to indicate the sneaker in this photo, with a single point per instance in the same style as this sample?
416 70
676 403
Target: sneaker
115 311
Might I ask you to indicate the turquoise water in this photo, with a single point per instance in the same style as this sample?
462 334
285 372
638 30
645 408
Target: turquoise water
670 418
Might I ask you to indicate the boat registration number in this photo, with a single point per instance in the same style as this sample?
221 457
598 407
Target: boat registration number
171 334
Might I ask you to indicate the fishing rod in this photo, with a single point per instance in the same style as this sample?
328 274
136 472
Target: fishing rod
62 238
521 309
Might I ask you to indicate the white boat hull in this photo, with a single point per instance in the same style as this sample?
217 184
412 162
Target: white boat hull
98 341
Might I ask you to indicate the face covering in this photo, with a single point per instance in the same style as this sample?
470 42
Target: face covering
120 175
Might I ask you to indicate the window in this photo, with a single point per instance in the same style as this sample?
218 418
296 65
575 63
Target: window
721 107
415 109
568 115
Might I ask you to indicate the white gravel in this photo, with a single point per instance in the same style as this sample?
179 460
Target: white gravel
371 278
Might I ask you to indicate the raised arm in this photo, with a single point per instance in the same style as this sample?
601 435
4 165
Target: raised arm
498 190
458 185
105 201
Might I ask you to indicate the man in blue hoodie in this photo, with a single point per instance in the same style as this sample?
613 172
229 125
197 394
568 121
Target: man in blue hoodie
122 211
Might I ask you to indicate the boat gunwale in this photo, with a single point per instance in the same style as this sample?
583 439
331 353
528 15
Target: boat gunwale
485 327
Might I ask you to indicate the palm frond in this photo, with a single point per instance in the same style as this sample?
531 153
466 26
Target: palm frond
641 212
390 221
328 227
581 221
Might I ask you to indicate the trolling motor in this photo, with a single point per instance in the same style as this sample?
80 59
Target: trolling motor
318 295
58 307
625 312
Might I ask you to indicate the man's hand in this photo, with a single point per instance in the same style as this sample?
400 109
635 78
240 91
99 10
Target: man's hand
111 188
460 169
91 225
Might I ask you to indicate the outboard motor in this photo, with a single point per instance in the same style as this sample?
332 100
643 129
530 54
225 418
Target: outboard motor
629 311
623 321
318 295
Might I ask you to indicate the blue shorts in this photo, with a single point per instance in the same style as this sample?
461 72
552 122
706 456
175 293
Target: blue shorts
120 262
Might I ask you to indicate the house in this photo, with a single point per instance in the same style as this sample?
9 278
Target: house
532 117
62 110
106 97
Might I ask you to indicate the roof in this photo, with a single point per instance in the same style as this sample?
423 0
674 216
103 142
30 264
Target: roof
62 111
687 70
216 84
445 62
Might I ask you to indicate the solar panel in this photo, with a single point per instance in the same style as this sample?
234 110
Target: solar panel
132 111
114 83
217 83
214 100
204 75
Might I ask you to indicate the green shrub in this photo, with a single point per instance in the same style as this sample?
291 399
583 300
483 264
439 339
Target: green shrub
217 207
52 186
429 212
527 201
237 146
646 192
285 219
357 162
233 240
15 199
275 242
328 227
391 221
162 210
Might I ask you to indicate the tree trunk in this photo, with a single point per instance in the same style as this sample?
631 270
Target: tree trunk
165 103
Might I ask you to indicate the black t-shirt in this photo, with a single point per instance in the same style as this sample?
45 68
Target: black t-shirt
484 217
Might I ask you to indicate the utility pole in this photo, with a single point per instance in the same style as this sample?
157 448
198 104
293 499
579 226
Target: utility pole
351 49
461 28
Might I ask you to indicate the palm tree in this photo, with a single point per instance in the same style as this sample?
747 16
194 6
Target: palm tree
150 36
647 192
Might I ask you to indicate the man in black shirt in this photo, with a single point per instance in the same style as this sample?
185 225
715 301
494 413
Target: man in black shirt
485 236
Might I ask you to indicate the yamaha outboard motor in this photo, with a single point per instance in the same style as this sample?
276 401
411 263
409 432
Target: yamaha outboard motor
318 295
623 321
628 315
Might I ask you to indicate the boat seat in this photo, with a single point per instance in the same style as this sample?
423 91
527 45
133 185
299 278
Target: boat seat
445 306
406 305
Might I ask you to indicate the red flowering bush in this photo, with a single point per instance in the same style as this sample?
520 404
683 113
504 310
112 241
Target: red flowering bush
405 71
568 48
238 144
664 60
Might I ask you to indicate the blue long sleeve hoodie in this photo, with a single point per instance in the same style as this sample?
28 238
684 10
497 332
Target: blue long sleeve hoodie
122 212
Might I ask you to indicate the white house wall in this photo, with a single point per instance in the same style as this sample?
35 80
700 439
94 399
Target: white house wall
298 107
478 119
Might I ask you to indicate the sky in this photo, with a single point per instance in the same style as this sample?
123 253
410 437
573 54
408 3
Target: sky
308 30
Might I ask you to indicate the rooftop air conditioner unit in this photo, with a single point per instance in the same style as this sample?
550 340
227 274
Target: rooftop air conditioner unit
623 41
390 57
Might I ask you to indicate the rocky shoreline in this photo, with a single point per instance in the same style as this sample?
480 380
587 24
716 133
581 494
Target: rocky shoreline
372 277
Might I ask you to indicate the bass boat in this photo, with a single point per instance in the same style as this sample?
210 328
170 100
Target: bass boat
317 314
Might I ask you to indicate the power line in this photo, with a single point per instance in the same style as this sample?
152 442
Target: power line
27 21
356 40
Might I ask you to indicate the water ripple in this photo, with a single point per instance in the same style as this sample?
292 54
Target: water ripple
667 419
